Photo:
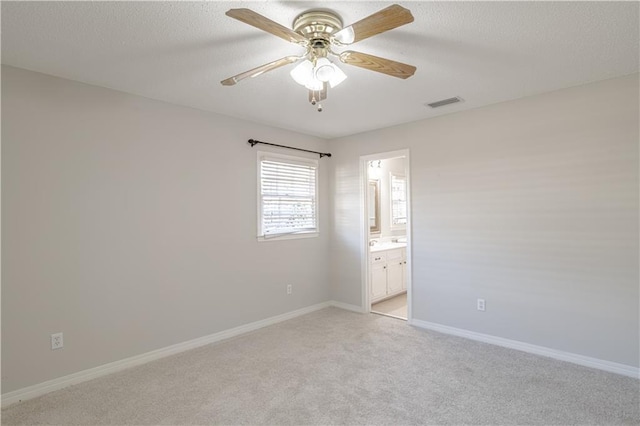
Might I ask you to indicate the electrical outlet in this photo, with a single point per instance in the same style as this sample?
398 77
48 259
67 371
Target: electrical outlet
481 305
289 289
56 341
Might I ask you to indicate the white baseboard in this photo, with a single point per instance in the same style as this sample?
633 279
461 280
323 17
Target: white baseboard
613 367
346 306
112 367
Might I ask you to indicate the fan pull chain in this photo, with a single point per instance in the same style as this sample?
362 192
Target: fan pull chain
314 102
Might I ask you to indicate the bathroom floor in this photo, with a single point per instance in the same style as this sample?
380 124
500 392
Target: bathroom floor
394 307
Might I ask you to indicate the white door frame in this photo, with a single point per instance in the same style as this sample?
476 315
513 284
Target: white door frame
364 226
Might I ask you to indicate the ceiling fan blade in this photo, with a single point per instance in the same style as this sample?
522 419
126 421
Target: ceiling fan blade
252 18
375 63
386 19
260 70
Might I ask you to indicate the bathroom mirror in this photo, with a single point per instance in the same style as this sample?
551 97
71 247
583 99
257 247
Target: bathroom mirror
374 206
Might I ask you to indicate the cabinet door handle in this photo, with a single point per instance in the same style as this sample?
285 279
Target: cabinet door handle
377 258
384 267
405 262
400 263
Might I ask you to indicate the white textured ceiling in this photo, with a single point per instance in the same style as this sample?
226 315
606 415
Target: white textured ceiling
484 52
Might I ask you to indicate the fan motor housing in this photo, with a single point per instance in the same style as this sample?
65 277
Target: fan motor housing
317 26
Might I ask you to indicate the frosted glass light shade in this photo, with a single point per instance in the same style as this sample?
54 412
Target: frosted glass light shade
314 84
346 35
337 77
303 72
324 69
313 78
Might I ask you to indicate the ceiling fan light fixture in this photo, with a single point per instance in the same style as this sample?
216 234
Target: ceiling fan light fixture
304 75
345 35
338 76
328 72
314 84
324 70
303 72
313 78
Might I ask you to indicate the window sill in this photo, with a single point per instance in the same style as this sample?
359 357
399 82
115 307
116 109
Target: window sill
288 236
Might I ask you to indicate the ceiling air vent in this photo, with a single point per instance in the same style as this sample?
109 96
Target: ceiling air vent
444 102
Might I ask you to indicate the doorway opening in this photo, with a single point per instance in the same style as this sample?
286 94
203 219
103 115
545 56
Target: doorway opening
386 230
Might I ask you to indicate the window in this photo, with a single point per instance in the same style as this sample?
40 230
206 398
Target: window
398 201
287 196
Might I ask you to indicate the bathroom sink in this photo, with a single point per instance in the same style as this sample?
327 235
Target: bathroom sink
387 246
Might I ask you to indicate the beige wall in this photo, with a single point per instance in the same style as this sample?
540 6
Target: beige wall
530 204
130 225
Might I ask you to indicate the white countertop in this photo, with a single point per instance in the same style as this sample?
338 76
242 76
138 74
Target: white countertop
386 246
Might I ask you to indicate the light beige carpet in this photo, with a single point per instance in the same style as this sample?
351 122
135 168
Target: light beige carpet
338 367
396 306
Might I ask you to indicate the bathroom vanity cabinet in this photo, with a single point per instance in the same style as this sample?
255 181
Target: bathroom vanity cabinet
387 273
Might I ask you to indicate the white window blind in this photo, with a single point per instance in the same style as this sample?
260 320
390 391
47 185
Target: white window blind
288 196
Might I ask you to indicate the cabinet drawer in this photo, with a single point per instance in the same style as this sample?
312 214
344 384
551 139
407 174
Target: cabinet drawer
380 257
397 254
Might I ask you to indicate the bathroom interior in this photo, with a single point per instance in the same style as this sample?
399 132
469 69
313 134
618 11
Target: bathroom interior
387 213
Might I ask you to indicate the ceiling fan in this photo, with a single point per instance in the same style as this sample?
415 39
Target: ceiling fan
319 31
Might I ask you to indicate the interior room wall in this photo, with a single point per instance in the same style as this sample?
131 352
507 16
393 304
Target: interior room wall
130 225
530 204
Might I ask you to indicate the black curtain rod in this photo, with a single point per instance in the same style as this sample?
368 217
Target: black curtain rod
254 142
